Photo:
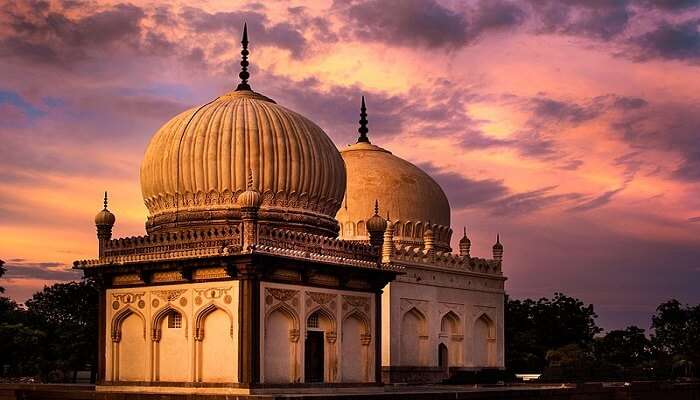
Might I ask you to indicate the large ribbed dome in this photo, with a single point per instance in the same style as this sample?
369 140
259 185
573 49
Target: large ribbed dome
197 164
412 198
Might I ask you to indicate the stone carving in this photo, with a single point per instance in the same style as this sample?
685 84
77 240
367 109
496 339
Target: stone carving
210 273
166 276
169 295
128 298
321 298
212 293
282 294
126 279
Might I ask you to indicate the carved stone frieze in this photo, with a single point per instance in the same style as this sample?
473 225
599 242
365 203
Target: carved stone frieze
169 295
321 298
282 294
128 298
212 293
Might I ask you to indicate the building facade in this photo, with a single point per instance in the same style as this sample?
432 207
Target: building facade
266 263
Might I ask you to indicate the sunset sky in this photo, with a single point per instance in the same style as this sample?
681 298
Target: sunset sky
571 127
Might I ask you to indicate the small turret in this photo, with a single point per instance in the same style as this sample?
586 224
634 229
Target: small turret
465 245
498 249
388 245
249 201
104 221
376 226
429 238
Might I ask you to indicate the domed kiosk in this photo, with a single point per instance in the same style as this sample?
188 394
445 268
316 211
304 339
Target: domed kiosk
240 282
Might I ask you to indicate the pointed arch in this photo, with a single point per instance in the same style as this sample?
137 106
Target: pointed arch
362 317
449 323
419 229
408 229
484 341
162 313
119 317
201 315
323 311
414 338
281 337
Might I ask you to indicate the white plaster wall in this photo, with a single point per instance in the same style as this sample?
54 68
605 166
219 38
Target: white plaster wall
181 354
435 293
284 312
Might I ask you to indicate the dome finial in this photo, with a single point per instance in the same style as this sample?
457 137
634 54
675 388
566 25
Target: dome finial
105 202
249 181
244 74
376 207
363 124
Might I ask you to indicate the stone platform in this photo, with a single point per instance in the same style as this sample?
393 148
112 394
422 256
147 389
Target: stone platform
588 391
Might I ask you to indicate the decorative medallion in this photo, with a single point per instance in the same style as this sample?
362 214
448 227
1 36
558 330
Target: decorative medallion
183 301
115 305
269 299
227 299
141 304
155 303
198 300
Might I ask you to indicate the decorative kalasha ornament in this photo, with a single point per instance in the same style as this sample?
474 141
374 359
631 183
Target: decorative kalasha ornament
244 74
363 124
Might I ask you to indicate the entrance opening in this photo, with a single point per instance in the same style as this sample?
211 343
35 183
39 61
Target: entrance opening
313 356
442 356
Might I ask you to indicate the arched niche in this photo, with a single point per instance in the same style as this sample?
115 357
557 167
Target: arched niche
355 348
281 338
414 338
129 349
216 358
484 342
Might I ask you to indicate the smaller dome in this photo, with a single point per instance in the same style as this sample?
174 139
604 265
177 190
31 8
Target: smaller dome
251 198
105 217
465 240
498 249
376 223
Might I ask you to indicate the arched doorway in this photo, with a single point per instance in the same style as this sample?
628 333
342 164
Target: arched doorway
443 356
450 329
319 331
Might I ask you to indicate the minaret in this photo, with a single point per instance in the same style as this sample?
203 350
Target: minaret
363 124
244 74
465 245
376 226
498 249
104 221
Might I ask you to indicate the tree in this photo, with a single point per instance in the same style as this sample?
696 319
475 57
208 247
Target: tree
628 348
2 272
533 328
676 336
67 313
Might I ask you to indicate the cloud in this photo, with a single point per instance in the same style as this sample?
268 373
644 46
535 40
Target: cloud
670 5
52 271
260 30
598 201
671 41
529 202
603 20
427 22
50 37
464 192
694 219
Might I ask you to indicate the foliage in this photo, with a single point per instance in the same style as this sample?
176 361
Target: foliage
676 336
56 332
2 272
532 328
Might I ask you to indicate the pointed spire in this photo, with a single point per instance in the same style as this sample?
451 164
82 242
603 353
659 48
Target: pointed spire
105 202
498 238
244 74
465 231
376 207
363 124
